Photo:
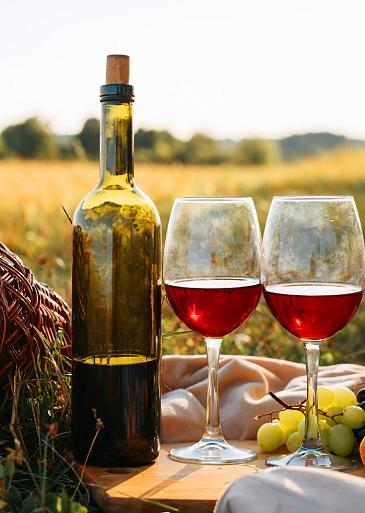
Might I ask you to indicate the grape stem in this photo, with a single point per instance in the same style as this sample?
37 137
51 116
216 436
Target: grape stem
299 407
287 406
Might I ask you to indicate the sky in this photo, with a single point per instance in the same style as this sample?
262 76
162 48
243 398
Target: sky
228 68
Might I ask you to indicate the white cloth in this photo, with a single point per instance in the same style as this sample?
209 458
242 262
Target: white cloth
294 490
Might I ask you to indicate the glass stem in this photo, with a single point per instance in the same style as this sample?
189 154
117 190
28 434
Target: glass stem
212 423
312 438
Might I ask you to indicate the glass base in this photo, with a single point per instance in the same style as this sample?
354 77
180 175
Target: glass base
212 451
316 458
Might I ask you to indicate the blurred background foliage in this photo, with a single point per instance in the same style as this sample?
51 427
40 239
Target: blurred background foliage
34 226
32 139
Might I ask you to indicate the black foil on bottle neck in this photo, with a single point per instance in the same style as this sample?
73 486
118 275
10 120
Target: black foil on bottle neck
116 92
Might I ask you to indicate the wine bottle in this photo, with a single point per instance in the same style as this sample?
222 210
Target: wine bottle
116 298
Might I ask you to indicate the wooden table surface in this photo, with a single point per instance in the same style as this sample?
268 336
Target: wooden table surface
189 488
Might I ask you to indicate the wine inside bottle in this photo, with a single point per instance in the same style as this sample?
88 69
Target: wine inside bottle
116 304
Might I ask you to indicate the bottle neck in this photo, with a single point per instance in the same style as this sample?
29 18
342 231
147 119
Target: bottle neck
116 146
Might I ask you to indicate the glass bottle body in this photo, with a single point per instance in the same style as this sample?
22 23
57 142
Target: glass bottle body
116 310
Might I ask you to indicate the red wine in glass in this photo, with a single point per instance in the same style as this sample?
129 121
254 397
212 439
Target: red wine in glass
212 280
313 311
213 307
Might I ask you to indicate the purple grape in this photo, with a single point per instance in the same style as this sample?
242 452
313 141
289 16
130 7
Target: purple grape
359 434
360 396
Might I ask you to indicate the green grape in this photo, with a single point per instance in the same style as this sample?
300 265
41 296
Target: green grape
329 421
324 426
336 413
341 440
324 429
269 436
301 428
325 397
343 397
285 432
294 441
313 427
290 419
353 417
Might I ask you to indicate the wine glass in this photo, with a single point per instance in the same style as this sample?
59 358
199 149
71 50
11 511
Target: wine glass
312 274
212 281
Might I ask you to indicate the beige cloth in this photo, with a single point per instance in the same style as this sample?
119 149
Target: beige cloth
294 490
244 383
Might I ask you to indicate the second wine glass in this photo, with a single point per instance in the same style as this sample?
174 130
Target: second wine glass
212 281
313 273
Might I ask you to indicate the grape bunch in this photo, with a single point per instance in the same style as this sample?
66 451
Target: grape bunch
341 421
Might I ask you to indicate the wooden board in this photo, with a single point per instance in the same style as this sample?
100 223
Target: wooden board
188 487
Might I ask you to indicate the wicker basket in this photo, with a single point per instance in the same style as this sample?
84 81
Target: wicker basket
29 311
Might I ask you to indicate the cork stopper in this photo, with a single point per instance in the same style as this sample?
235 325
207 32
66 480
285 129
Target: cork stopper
117 69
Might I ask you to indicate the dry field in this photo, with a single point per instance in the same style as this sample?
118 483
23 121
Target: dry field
33 224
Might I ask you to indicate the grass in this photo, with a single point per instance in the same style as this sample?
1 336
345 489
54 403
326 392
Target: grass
34 432
34 225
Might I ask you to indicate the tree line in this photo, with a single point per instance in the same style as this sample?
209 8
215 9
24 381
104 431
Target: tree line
33 139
